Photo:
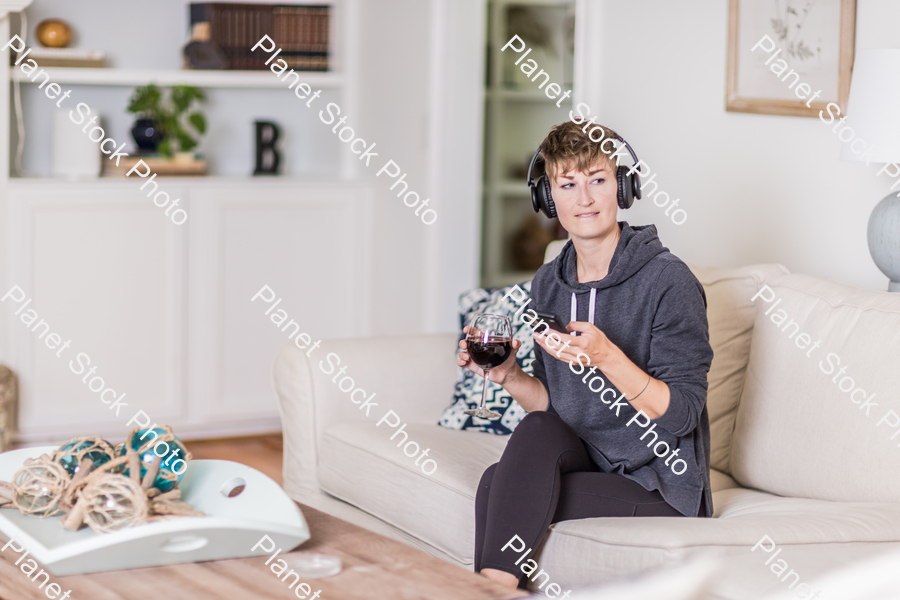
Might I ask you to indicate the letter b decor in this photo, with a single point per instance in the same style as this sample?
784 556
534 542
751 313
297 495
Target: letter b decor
267 157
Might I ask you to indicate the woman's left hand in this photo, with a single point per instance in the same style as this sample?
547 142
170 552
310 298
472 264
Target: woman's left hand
590 341
648 395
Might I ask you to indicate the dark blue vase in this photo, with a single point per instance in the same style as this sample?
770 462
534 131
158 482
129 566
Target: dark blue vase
147 135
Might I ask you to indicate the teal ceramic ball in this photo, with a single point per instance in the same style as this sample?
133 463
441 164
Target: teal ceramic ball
67 454
173 464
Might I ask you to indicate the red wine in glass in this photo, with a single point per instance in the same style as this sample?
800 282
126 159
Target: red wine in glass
491 353
489 344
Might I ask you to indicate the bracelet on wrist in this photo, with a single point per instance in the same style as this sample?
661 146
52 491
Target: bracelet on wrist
649 377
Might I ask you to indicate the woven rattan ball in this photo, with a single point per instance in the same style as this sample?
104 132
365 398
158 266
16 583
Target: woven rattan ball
113 502
39 487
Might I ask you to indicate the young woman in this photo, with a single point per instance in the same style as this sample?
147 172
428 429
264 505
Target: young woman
642 352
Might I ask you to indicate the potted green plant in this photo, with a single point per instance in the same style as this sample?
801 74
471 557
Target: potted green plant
167 125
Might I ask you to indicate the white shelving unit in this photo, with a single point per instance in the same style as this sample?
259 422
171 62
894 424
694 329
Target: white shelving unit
235 98
208 79
164 310
517 117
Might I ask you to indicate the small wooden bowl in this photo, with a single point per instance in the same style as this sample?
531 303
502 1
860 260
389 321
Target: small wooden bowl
53 33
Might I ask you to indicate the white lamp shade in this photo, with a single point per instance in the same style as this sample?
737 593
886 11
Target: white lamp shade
872 109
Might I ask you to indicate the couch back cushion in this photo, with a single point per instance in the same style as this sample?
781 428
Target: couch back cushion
731 315
821 398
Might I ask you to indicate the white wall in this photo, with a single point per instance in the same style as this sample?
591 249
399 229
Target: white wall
392 99
757 188
419 95
457 115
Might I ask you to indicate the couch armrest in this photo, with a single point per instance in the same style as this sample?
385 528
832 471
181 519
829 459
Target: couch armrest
411 375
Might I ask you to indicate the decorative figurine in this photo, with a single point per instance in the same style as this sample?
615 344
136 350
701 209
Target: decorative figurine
267 157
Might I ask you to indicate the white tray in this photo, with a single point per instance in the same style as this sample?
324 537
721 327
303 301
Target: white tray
231 527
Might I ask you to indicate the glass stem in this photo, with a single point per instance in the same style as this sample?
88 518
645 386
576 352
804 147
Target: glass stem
487 377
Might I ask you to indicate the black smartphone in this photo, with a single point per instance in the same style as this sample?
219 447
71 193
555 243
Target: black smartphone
552 320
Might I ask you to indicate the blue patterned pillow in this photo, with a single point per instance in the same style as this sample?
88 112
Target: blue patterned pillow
469 385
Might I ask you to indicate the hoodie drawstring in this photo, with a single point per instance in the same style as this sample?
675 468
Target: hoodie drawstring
593 305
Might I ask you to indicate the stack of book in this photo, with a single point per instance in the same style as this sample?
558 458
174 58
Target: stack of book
65 57
301 31
160 165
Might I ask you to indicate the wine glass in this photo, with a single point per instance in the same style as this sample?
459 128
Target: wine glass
489 344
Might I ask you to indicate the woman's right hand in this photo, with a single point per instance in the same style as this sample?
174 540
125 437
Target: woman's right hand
498 374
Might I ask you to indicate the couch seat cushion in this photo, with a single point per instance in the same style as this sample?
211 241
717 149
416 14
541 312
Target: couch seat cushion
359 464
814 534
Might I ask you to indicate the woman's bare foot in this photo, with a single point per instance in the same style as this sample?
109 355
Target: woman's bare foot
502 577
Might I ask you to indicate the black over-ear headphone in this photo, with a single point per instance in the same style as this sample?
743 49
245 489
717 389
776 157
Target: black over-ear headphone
629 188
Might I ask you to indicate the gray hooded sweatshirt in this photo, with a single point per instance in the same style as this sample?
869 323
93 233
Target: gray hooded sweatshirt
652 307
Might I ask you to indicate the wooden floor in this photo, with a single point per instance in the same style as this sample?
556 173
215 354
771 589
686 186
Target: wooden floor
263 453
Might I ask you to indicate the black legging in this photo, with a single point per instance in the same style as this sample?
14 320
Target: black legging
544 476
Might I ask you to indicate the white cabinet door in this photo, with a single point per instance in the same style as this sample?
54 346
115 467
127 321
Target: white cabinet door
308 243
164 311
104 269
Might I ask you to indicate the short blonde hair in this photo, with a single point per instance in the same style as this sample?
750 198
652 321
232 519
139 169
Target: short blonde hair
567 146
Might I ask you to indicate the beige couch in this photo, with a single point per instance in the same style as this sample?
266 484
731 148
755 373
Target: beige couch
793 457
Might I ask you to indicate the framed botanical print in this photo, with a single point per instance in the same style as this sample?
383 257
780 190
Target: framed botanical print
789 57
